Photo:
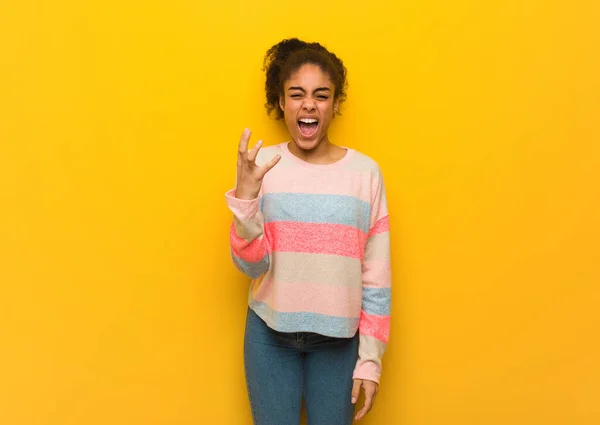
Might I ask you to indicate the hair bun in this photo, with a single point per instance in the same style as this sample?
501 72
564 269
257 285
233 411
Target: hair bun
282 50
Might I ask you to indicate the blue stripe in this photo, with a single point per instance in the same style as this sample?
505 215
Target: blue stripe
377 301
253 270
311 208
337 327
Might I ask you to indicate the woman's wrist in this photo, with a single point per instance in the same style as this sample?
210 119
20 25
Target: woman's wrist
246 195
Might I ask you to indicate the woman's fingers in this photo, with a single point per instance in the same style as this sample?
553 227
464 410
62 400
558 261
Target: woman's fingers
247 158
254 151
267 167
243 145
366 408
370 392
356 390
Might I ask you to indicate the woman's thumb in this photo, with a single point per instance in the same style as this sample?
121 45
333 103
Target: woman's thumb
356 390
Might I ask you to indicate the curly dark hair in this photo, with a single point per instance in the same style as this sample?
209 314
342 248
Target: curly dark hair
287 56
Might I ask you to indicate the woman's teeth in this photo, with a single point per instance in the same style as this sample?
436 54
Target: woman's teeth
308 126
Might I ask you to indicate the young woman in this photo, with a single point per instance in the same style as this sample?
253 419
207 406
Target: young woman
311 229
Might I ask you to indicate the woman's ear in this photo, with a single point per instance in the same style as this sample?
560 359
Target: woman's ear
281 103
336 106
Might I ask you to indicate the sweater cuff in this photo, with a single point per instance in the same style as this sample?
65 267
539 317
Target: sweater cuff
367 370
242 208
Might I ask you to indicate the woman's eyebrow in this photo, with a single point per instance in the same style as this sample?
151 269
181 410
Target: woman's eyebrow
302 90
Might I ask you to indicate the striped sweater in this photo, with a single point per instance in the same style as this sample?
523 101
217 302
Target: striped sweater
316 245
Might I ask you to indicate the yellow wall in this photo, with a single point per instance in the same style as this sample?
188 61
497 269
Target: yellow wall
118 129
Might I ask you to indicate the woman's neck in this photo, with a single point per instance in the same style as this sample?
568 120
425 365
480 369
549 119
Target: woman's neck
324 153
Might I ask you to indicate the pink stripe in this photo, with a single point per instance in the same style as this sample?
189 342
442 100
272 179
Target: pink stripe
377 274
375 326
316 238
383 225
310 297
248 251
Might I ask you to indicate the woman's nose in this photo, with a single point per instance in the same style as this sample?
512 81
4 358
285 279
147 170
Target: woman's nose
309 105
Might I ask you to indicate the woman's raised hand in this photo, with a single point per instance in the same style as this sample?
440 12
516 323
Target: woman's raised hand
250 175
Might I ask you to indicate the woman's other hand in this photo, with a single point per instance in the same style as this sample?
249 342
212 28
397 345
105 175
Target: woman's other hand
370 389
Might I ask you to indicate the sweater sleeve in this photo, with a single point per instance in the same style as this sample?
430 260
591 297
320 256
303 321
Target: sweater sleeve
249 246
374 322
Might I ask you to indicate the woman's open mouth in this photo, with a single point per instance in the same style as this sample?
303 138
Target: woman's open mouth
308 126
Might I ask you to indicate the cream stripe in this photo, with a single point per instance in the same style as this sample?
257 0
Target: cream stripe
249 229
378 247
316 268
370 348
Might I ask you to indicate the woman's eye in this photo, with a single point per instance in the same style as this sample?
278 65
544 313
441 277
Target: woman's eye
323 97
295 96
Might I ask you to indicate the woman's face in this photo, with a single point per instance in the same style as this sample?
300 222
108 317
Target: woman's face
308 105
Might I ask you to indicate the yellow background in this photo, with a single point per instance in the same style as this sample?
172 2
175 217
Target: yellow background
119 122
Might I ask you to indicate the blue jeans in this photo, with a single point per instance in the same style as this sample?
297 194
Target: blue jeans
282 368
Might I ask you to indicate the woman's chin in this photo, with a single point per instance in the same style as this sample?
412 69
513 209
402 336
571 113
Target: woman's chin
305 143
